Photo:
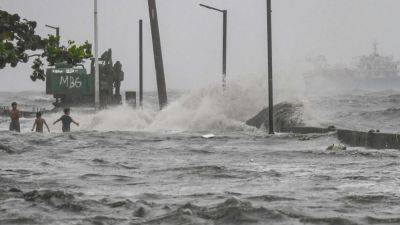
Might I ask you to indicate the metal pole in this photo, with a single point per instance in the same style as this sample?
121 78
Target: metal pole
96 55
58 35
225 24
270 80
58 32
210 7
224 41
141 63
155 33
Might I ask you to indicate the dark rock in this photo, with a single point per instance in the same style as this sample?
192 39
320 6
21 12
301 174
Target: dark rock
285 115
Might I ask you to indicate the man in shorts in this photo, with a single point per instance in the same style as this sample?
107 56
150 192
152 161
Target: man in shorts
15 115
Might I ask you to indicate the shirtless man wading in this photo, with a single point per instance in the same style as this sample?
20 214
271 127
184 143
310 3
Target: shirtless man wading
15 115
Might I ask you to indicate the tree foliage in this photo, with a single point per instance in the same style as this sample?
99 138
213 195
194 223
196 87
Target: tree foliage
17 37
19 42
73 54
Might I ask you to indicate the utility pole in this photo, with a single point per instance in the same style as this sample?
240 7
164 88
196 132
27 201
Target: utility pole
96 55
155 33
141 63
224 40
270 79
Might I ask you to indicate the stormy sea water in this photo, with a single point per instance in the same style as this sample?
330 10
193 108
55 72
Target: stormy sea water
127 166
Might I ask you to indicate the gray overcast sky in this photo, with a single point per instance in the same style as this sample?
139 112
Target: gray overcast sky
191 35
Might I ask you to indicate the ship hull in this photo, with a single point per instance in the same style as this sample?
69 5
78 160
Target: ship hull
348 84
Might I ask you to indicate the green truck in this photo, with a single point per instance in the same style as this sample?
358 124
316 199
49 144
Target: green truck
70 85
73 86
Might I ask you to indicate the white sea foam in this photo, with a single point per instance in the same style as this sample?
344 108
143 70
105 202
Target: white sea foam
199 110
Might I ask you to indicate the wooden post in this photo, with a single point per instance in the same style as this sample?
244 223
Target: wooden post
155 32
270 79
141 63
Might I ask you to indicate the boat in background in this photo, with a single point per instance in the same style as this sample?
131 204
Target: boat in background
374 72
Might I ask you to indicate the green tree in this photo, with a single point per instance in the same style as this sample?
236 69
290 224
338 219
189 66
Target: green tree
19 42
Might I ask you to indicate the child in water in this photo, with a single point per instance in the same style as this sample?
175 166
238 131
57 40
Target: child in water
15 114
39 123
66 121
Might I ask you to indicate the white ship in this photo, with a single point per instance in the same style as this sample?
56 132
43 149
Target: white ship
372 72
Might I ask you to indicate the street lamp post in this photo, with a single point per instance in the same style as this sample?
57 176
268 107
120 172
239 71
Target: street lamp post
55 28
270 79
141 63
58 37
224 39
57 32
96 58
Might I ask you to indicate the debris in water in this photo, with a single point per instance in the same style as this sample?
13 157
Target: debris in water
186 212
338 147
207 136
304 138
142 211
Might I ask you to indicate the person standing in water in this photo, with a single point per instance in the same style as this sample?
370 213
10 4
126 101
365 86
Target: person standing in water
66 121
39 123
15 115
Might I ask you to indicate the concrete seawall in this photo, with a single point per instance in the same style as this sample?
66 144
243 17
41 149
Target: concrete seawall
369 139
352 138
288 119
307 130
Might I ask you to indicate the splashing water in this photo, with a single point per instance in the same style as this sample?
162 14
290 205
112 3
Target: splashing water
153 177
200 110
